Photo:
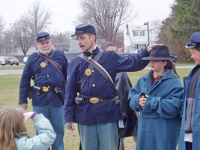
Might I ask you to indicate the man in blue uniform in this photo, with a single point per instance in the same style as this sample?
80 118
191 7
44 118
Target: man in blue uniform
97 109
48 69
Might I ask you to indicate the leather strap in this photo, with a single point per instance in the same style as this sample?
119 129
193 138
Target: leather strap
96 65
45 61
91 67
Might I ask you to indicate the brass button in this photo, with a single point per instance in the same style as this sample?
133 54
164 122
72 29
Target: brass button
93 85
47 75
92 70
48 86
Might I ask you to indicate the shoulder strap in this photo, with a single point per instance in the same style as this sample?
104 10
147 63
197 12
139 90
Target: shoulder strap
91 67
96 65
45 61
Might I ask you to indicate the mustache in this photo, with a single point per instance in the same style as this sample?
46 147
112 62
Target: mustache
46 48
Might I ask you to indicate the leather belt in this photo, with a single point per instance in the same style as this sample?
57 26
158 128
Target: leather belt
49 88
95 100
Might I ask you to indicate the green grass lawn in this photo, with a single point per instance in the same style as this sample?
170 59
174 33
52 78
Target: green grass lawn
9 95
11 67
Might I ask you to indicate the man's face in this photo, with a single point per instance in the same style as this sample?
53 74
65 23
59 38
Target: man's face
111 48
86 42
195 55
44 46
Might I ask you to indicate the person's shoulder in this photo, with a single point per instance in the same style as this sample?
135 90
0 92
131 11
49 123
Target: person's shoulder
75 61
110 55
33 54
32 57
109 52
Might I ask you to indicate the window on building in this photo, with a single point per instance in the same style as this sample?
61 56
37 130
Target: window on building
135 33
141 33
138 33
135 46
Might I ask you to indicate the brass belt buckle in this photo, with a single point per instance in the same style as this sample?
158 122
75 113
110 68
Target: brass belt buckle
45 89
94 100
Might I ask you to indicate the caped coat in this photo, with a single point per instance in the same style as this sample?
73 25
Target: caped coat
46 135
159 122
196 116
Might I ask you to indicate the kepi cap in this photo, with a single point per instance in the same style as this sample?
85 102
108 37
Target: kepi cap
84 28
159 53
194 41
42 36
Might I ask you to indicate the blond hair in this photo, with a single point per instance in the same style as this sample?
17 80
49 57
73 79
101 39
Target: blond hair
11 126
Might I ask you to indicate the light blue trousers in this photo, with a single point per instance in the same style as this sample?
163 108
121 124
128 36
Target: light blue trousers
106 134
55 114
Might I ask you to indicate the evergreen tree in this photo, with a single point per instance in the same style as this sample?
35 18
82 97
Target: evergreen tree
186 13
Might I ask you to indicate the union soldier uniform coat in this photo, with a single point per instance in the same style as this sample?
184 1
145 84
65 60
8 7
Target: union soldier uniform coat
49 76
97 86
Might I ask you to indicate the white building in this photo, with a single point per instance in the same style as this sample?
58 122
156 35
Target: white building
136 37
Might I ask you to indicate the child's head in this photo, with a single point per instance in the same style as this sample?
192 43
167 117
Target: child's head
11 125
194 46
160 59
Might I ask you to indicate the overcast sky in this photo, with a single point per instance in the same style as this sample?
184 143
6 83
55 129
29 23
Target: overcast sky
64 11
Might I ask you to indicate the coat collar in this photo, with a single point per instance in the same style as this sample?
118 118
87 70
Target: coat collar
94 52
169 74
193 70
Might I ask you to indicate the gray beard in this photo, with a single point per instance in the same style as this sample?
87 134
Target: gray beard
45 52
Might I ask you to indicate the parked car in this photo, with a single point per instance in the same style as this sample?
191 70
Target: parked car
174 57
25 59
12 60
2 61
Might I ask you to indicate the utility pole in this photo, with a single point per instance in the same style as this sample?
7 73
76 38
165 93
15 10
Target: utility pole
147 23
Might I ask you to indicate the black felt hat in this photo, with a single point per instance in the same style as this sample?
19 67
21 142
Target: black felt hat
84 28
159 53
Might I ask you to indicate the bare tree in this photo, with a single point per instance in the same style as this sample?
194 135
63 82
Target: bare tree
106 15
37 18
21 36
61 41
6 47
2 24
24 31
156 24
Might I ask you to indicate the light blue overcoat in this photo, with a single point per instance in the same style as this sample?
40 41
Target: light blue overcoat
159 122
46 136
196 117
